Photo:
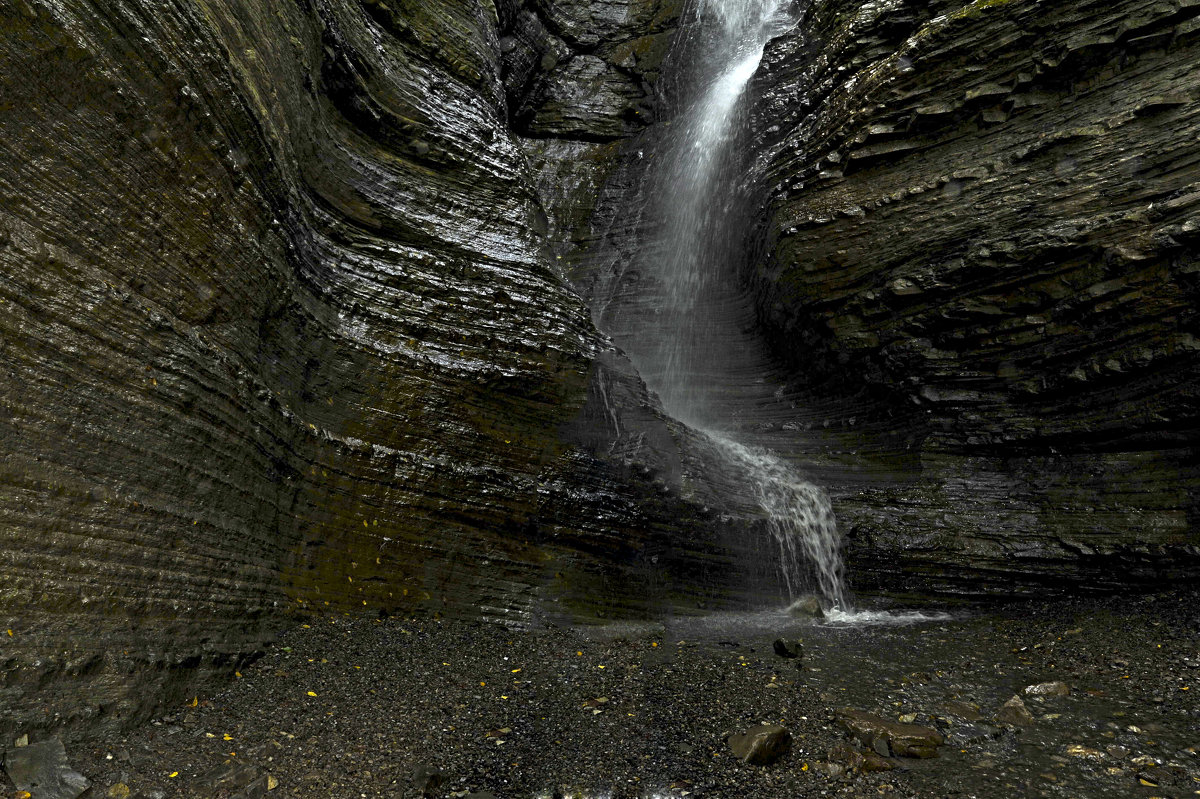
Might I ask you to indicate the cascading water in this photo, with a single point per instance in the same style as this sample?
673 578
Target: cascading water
696 184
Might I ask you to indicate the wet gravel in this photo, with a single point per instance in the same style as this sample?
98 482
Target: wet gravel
352 707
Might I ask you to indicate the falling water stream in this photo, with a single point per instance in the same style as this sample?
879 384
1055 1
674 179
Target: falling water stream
697 185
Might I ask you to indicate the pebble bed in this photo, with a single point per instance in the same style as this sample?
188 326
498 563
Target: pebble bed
359 707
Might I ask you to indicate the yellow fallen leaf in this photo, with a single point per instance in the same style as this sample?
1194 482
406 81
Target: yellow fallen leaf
514 671
173 775
599 667
504 697
1147 782
195 701
579 653
654 643
312 693
804 767
228 737
483 683
237 674
10 635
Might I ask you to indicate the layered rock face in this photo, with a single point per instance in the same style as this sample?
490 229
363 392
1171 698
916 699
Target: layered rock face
980 221
280 332
297 302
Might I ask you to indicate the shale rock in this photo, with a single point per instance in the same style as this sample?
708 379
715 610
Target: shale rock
890 737
1015 713
808 606
999 274
762 744
42 770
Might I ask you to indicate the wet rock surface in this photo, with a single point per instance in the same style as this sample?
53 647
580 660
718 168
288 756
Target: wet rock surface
332 709
761 744
887 737
978 226
282 329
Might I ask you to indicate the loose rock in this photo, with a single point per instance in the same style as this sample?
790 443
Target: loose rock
1015 713
882 735
808 606
762 744
1048 689
787 648
42 770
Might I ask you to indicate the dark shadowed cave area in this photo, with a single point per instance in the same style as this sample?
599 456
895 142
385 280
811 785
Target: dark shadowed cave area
330 334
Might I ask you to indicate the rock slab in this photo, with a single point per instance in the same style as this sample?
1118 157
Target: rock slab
762 744
884 735
42 770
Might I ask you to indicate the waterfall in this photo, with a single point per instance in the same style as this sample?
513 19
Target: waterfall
697 187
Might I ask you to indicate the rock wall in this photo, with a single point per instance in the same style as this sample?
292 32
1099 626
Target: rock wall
296 309
280 333
980 220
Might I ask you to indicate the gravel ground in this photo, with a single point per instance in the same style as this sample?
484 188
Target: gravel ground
353 707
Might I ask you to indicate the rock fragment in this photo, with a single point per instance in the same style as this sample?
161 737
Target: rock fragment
761 744
886 736
787 648
1015 713
42 769
808 606
1048 689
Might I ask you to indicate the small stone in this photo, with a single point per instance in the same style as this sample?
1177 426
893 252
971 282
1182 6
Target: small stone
872 761
1048 689
118 791
962 710
807 605
234 779
1085 752
22 741
1015 713
42 770
427 779
761 744
787 648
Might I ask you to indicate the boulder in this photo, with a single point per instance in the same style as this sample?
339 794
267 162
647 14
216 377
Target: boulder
808 606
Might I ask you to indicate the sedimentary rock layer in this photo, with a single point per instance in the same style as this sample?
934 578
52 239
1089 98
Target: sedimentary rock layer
280 331
984 216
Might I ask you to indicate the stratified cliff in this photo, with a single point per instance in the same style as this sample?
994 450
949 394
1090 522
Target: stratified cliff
297 302
280 331
981 220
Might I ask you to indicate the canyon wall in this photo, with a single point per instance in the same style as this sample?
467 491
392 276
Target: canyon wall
317 307
981 220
